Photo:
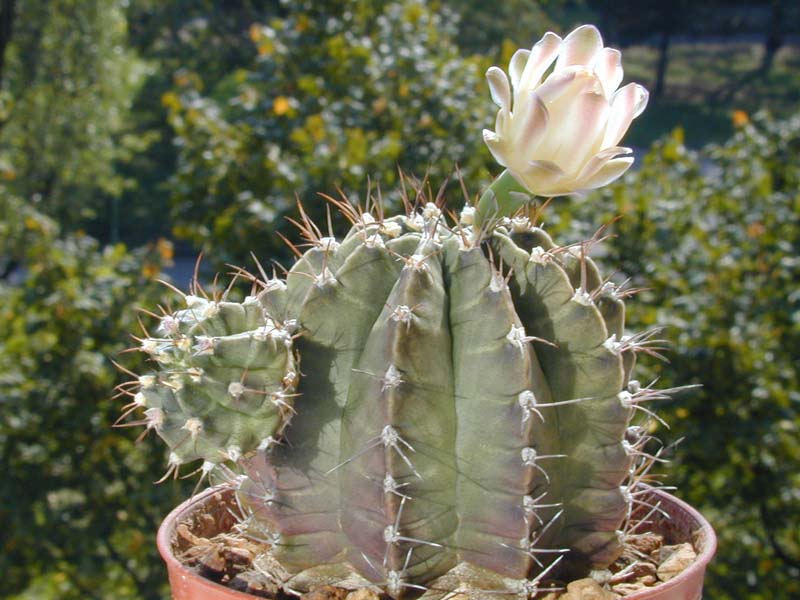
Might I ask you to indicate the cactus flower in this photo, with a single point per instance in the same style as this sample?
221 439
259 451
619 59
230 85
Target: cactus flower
559 133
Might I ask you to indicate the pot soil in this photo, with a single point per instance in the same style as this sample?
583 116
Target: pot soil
207 560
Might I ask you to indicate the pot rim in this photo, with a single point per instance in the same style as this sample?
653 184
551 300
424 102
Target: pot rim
166 533
703 531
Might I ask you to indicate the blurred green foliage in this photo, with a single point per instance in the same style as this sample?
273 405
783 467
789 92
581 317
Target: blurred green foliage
714 236
77 503
225 111
330 98
175 38
67 87
495 29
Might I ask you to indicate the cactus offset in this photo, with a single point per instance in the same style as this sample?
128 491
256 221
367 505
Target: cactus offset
420 405
226 381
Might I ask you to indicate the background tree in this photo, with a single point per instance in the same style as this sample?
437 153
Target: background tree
67 83
76 500
649 21
775 34
8 13
328 100
174 39
493 28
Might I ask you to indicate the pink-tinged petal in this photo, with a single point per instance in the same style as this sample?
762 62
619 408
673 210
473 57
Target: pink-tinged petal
580 47
499 88
626 104
545 167
559 94
541 178
541 57
496 146
607 173
490 136
555 85
642 96
600 159
532 124
555 187
501 124
580 130
608 66
613 152
517 65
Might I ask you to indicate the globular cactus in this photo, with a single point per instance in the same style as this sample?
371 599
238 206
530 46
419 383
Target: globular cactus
425 406
421 406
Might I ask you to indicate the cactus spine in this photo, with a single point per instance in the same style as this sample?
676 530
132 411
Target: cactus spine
419 406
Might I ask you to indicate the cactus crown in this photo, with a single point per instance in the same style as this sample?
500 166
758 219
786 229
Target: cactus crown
420 406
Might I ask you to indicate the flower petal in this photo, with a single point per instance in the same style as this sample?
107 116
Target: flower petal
600 159
607 173
541 177
539 60
531 124
627 103
501 122
555 85
517 66
577 123
499 88
496 146
545 167
608 66
580 47
581 129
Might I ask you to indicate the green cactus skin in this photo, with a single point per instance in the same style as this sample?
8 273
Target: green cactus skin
226 381
417 407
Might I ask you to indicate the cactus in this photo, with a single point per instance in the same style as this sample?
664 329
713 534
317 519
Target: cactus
426 406
419 406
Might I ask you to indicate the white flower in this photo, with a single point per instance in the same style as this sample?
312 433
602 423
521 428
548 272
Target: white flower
560 134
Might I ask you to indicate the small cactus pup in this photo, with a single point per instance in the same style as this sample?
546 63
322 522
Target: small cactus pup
432 405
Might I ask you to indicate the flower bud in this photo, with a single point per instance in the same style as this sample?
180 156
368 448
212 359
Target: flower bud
559 134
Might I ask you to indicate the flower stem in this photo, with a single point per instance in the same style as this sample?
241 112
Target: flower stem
503 198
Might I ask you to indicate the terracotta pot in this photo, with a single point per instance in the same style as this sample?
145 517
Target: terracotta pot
188 585
685 524
185 583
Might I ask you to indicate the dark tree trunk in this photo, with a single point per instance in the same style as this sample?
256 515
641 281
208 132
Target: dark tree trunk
7 14
774 39
663 61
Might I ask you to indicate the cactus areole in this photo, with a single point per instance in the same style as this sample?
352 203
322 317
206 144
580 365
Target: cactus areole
421 406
